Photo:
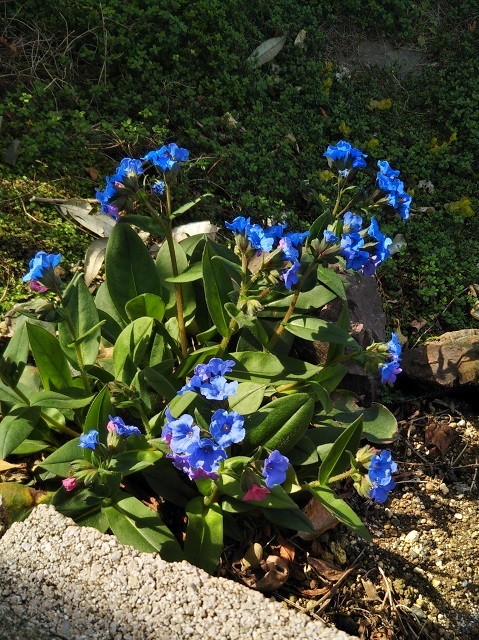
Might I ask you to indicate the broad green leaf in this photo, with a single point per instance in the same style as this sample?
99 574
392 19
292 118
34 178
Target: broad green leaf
59 461
95 518
146 305
332 281
276 499
379 424
289 519
15 427
15 356
337 459
318 330
98 414
268 368
336 350
164 269
189 205
233 269
131 347
80 504
137 458
339 508
195 272
166 481
248 397
319 226
160 383
28 446
107 311
304 451
135 524
204 534
130 270
49 358
157 228
307 301
9 396
329 377
71 398
196 357
80 306
217 285
285 421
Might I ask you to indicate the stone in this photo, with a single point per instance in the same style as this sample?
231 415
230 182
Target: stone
367 325
450 362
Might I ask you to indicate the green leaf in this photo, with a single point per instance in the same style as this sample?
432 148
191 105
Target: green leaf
160 383
138 457
217 285
332 281
204 534
135 524
15 427
8 395
130 270
49 358
276 499
304 451
336 350
307 301
189 205
337 459
95 519
289 519
318 330
379 424
27 447
165 480
79 505
248 397
131 347
268 368
285 421
195 272
15 356
80 306
319 226
107 311
71 398
164 269
59 461
339 508
146 305
157 228
196 357
98 414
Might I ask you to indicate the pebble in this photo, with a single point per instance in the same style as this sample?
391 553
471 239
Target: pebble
443 488
412 536
458 516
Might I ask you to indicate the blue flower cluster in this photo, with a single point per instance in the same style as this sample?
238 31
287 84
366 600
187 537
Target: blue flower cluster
164 159
389 182
353 245
264 239
209 380
116 425
346 157
40 264
380 473
391 369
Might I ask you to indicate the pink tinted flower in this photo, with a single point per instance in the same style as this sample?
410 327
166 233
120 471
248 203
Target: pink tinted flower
37 286
70 484
256 493
111 426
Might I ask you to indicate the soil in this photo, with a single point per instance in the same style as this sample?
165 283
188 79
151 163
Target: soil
419 577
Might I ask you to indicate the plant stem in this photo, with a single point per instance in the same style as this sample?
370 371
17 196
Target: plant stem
81 366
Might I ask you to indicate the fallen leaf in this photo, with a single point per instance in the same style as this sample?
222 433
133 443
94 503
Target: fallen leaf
266 51
320 518
418 324
439 438
370 590
325 570
6 466
93 173
276 575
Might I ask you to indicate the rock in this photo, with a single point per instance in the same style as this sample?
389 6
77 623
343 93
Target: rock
368 325
450 362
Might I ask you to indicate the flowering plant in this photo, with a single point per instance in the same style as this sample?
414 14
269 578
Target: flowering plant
194 349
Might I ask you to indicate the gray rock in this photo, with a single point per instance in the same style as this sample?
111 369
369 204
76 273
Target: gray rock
451 361
68 586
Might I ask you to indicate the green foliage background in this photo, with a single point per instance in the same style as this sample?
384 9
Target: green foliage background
86 83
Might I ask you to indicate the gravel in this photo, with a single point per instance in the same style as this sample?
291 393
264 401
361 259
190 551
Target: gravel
58 580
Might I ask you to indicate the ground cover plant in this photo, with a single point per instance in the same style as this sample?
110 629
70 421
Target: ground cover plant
82 81
179 375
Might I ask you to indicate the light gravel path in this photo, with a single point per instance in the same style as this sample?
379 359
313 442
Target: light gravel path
58 580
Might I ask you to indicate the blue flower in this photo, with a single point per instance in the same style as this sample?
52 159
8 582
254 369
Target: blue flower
218 388
129 167
158 187
167 156
275 232
194 384
104 197
297 238
121 428
394 347
289 252
380 472
239 225
351 246
346 156
41 264
215 367
391 369
227 428
183 433
206 455
258 238
89 440
330 237
352 222
386 170
274 469
389 182
290 277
